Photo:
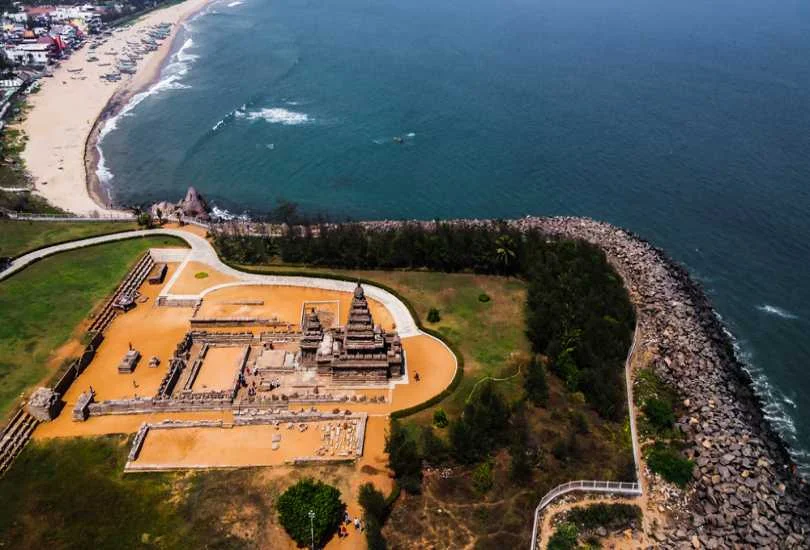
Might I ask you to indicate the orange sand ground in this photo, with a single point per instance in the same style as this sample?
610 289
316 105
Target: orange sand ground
116 424
187 283
218 369
237 446
284 302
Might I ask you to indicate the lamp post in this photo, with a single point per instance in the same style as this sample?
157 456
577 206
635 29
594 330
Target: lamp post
312 527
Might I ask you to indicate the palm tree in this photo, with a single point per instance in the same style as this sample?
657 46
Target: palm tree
505 250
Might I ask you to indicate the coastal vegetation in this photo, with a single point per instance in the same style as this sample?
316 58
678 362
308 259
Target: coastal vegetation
662 441
582 523
42 306
19 237
513 432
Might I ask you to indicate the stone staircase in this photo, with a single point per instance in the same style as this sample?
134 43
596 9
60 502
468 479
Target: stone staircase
131 283
14 437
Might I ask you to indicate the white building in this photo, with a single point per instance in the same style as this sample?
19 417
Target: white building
28 54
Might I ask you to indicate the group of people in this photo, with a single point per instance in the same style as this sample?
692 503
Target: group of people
343 531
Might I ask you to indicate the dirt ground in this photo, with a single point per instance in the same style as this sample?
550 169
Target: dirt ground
282 302
191 280
219 369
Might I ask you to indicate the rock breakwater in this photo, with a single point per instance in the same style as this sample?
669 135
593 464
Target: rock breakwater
746 492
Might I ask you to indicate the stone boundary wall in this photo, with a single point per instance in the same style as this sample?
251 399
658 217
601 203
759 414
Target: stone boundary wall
149 406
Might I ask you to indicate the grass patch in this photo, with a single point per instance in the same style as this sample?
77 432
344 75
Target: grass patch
668 462
72 493
42 305
18 237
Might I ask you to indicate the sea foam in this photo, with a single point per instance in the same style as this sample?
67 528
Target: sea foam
275 115
234 4
778 311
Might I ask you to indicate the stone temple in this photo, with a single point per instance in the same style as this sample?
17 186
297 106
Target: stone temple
358 352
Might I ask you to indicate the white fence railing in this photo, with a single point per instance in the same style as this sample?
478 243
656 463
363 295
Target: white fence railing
612 487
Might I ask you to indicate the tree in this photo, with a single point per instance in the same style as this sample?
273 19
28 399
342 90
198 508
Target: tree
375 511
433 315
440 419
505 251
482 477
536 384
295 503
434 449
145 220
404 458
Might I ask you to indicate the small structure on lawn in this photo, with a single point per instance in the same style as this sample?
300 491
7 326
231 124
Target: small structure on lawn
44 404
157 274
128 363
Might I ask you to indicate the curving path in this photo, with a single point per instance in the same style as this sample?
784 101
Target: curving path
202 251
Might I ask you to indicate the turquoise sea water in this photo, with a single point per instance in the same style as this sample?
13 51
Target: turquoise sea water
686 122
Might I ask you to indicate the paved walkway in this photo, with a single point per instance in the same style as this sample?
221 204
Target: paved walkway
202 251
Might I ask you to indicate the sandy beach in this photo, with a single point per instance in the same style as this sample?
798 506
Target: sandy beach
71 107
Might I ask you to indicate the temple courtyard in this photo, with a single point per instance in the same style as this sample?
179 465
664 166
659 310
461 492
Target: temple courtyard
212 369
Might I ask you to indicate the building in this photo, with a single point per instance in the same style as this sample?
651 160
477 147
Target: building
360 351
29 53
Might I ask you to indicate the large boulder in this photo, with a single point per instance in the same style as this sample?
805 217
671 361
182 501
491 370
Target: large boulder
193 205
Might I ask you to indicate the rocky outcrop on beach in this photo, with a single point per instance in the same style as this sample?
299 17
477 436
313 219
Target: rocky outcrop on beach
193 205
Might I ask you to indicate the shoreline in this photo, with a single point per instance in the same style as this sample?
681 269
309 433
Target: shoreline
145 77
61 156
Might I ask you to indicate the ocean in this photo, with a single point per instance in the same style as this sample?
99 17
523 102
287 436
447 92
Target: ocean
685 122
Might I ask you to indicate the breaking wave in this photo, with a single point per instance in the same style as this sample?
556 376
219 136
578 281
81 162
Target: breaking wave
227 215
775 404
178 67
778 311
275 115
234 4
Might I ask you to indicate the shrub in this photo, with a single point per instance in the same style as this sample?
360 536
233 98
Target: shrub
440 419
564 538
145 220
293 511
669 464
482 477
536 384
433 315
201 275
580 422
484 298
610 516
659 413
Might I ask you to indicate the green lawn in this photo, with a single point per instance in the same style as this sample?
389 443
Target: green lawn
41 306
17 237
72 493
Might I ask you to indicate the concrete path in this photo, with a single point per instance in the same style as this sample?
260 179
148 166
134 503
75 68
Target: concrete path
202 251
